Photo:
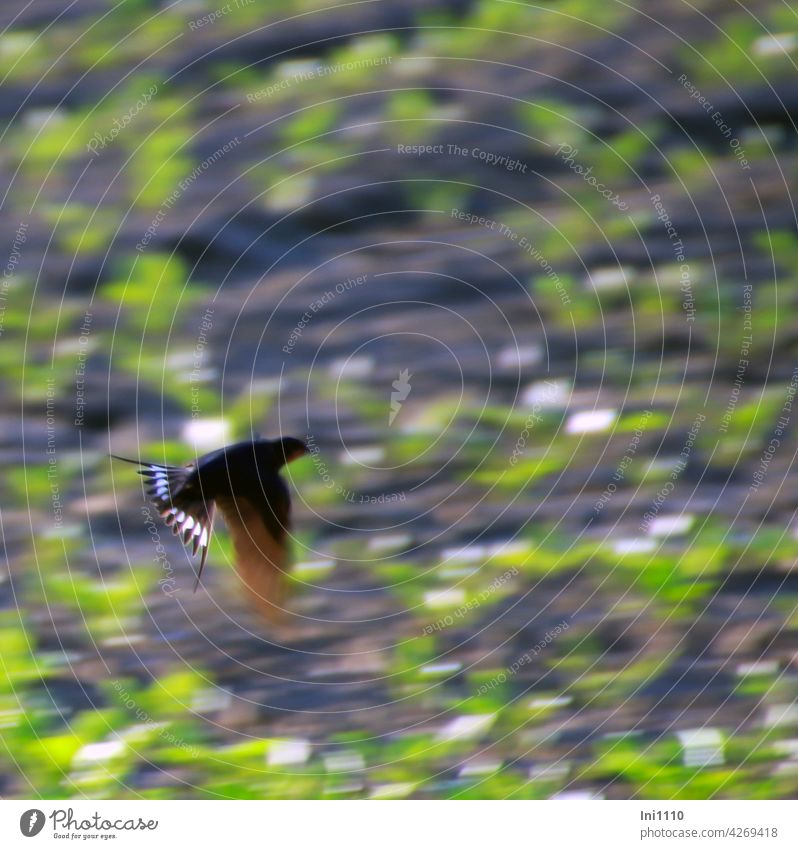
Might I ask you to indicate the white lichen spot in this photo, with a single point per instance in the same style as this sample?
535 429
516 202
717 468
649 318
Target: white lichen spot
466 727
203 434
288 751
591 421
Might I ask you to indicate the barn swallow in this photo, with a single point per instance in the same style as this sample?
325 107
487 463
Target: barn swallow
243 481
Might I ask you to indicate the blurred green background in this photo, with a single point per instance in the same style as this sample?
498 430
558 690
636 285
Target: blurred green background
557 242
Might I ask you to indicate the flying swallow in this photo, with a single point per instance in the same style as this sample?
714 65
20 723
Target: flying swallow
244 483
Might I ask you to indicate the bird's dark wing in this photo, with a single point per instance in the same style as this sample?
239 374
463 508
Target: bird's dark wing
173 490
259 530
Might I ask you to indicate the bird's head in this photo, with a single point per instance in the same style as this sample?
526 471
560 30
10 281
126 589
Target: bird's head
287 449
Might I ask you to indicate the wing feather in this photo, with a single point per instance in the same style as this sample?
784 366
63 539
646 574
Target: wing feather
181 505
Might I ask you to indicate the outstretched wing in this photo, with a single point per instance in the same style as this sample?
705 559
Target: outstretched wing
173 491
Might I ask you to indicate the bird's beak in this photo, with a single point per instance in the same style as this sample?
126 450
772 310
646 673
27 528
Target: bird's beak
296 454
